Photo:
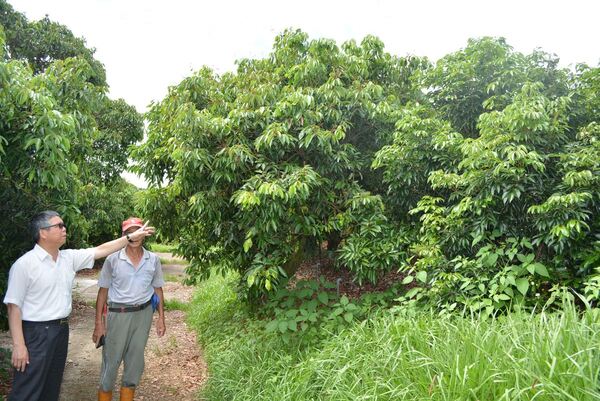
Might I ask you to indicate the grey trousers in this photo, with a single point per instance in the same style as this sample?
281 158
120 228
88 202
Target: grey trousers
126 337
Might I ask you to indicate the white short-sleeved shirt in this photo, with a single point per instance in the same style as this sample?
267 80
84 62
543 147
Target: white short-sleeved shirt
127 284
41 287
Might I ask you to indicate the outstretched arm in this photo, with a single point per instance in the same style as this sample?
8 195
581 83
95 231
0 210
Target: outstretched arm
109 247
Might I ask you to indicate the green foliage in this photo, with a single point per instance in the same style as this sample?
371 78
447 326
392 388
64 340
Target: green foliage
515 213
479 175
309 311
104 207
408 161
484 76
173 304
312 311
63 143
406 355
372 245
42 42
162 247
502 274
263 165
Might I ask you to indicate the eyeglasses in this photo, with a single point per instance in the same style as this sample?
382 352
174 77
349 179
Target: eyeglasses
59 225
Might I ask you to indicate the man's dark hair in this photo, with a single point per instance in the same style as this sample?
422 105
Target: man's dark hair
40 221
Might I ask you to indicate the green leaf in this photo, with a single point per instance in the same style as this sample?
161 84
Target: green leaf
272 326
323 297
422 276
247 245
348 317
292 325
541 269
282 325
522 285
490 259
408 280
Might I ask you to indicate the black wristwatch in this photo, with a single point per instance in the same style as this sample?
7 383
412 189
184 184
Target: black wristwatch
128 238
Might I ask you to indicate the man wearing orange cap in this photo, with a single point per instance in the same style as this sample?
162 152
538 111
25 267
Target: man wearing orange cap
38 299
128 281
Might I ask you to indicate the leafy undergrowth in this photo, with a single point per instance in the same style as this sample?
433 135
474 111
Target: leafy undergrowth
399 355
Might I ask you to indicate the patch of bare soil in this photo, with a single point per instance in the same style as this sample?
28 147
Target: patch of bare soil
175 368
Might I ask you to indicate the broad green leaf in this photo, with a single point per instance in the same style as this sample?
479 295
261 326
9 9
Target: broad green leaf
541 269
323 297
522 285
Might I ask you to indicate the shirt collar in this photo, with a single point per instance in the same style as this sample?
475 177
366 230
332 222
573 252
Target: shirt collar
123 255
41 253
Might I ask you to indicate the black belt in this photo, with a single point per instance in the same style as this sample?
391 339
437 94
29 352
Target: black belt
133 308
64 320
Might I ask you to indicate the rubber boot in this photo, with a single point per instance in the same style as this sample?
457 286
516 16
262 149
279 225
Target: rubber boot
104 395
127 393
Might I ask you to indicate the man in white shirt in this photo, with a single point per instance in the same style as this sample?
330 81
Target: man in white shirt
38 298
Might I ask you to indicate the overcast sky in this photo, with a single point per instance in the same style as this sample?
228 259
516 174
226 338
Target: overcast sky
149 45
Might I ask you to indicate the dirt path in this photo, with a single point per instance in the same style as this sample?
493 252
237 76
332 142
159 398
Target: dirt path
175 369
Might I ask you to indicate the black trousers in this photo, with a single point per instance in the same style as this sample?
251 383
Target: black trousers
47 344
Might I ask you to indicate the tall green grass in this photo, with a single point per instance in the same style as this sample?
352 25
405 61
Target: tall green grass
421 356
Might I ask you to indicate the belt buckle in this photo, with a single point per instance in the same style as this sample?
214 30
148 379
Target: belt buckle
64 320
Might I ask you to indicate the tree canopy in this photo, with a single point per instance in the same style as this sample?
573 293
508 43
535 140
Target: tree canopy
476 175
63 142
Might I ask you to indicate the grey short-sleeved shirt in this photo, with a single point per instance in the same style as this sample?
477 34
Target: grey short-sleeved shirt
127 284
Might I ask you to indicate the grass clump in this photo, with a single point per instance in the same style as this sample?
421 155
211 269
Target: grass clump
406 355
173 304
163 248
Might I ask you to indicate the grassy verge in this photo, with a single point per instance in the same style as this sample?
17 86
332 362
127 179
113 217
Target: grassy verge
173 304
173 261
166 248
419 356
